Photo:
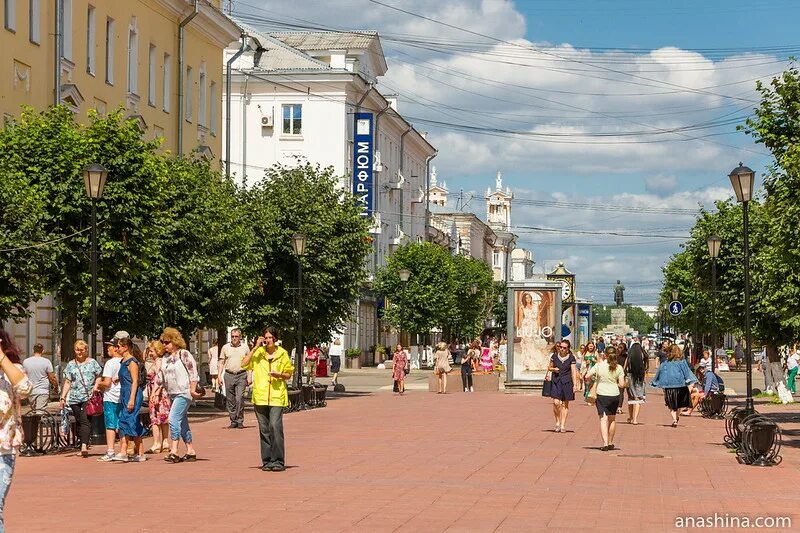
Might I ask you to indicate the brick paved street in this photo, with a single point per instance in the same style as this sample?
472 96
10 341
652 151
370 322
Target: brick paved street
421 462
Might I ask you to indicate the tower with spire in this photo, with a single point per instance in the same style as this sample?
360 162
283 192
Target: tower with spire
498 205
438 193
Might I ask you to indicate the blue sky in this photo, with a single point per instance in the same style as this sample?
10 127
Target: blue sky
582 105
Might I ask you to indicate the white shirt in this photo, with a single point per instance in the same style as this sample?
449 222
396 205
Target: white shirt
793 360
335 350
111 370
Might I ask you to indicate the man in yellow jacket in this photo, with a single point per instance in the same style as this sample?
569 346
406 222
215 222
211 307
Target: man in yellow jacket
271 366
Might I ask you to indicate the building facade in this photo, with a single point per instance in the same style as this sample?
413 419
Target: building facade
107 54
293 97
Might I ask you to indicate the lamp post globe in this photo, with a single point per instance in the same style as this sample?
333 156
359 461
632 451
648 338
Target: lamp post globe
714 245
743 180
299 244
404 274
674 294
94 180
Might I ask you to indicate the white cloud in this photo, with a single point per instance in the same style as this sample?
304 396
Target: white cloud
661 185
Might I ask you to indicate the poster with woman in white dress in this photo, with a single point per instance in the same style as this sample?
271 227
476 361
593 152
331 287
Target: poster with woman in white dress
534 326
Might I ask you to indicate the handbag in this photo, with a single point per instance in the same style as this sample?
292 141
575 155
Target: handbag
591 398
94 406
198 389
547 386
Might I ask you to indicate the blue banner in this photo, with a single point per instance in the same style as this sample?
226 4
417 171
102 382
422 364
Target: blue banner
363 150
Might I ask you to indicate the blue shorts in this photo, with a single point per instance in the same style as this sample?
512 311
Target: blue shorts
111 411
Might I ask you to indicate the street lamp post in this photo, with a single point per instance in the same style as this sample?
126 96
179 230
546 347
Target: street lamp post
299 246
474 290
94 179
743 179
404 274
674 318
714 244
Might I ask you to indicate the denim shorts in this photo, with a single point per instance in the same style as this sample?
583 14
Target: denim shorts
111 411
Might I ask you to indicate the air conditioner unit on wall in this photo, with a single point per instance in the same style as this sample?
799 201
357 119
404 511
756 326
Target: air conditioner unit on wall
267 121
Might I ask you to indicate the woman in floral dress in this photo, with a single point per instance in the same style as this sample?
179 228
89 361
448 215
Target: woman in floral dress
158 399
399 363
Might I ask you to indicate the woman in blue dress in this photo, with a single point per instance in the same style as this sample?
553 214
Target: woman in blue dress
564 376
131 396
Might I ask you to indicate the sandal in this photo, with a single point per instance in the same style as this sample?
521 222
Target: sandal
189 458
152 451
172 458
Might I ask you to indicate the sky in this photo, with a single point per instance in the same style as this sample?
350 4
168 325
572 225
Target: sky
612 121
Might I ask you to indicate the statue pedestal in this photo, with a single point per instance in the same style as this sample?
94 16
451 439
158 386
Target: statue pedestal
618 326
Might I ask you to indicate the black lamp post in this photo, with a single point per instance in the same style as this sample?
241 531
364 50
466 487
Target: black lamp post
674 318
714 244
94 179
299 246
404 274
743 180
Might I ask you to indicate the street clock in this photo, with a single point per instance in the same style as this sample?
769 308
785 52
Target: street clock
567 281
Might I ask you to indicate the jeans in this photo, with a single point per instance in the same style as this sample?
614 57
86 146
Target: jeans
466 376
6 473
82 421
179 419
270 428
235 384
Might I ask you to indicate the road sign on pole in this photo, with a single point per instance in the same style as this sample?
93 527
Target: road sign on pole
675 308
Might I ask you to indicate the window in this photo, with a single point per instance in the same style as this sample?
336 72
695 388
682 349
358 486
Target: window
133 58
66 29
151 73
213 96
110 51
166 83
35 21
187 95
10 15
201 97
91 31
292 119
495 259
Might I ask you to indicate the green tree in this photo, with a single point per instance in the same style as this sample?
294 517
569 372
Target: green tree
500 308
601 317
304 199
467 317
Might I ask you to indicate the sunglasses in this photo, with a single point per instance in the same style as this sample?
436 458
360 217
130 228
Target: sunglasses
166 341
563 347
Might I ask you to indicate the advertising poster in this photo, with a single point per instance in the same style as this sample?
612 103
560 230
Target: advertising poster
568 326
363 147
535 332
584 327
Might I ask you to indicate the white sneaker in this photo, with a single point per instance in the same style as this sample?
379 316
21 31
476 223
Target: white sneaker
138 459
121 457
471 389
107 458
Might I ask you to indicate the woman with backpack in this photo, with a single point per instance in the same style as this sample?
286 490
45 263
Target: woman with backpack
81 375
180 381
132 380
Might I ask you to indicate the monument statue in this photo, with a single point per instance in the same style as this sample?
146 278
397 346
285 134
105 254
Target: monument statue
619 297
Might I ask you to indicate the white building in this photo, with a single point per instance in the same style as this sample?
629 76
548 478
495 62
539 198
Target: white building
295 95
521 264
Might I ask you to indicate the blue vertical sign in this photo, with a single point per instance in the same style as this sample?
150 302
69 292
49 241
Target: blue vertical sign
363 149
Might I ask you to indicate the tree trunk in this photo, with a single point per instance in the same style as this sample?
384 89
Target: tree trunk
69 334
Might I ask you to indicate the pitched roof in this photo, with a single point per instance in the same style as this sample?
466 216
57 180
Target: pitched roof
326 40
277 55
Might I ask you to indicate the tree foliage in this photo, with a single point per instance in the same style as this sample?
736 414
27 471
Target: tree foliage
304 199
439 292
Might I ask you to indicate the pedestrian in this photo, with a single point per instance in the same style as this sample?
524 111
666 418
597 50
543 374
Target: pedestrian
622 357
487 364
610 379
466 365
705 362
601 344
579 357
590 358
109 384
271 367
442 366
213 363
80 377
674 377
564 383
399 367
636 369
503 349
738 353
792 363
234 377
180 381
132 381
335 354
662 353
158 402
40 374
14 386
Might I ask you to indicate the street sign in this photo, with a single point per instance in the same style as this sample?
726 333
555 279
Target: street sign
675 308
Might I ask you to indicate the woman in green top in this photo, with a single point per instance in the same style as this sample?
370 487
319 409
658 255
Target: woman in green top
589 360
610 379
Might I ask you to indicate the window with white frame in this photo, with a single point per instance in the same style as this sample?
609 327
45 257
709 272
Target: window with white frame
212 102
66 29
496 259
151 76
10 15
133 58
201 96
110 51
91 31
292 119
165 88
187 94
35 21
